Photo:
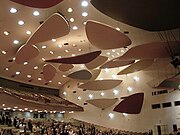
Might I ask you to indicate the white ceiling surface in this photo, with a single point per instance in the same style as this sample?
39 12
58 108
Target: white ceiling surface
9 22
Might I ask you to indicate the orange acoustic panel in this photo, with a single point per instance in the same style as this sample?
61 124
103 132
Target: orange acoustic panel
80 75
38 3
53 27
99 85
116 63
102 103
65 67
140 65
172 83
105 37
131 104
153 15
96 62
152 50
80 59
25 53
49 72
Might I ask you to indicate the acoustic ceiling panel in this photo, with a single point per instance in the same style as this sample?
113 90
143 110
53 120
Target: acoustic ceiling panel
53 27
25 53
80 59
153 15
102 103
169 84
95 73
99 85
116 63
38 3
105 37
152 51
65 67
140 65
49 72
96 62
80 75
131 104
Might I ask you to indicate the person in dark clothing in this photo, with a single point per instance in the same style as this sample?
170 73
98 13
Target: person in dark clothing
7 118
30 126
15 122
3 119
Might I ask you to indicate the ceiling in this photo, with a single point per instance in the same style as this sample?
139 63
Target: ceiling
73 44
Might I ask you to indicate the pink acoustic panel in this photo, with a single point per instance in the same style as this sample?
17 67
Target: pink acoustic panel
152 51
140 65
105 37
49 72
102 103
170 83
99 85
148 15
38 3
80 59
96 62
65 67
116 63
54 26
25 53
80 75
131 104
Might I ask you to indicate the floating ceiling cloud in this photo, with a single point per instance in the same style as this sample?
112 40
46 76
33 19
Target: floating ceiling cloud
49 72
153 15
80 75
105 37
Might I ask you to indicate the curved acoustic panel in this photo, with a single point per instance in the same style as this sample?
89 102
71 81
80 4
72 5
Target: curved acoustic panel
131 104
96 62
54 26
80 59
65 67
102 103
105 37
116 63
169 84
152 51
95 73
140 65
99 85
26 53
80 75
38 3
49 72
148 15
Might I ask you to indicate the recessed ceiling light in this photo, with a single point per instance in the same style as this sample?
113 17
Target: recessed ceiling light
84 14
39 79
118 29
124 114
108 53
21 22
17 73
44 46
111 115
25 63
3 104
66 51
29 76
51 52
59 83
69 10
136 78
82 40
36 67
84 23
73 55
50 81
64 93
129 89
74 45
84 3
59 57
28 32
43 59
106 70
74 27
79 98
113 50
64 76
102 93
6 69
90 96
71 19
14 58
60 46
16 42
53 40
36 13
122 51
13 10
82 66
6 33
3 52
115 92
80 50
